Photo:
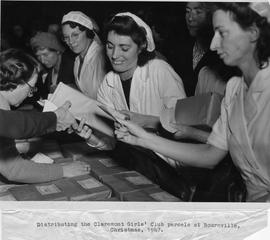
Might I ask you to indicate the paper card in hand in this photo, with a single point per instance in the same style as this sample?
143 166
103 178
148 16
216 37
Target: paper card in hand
83 107
199 111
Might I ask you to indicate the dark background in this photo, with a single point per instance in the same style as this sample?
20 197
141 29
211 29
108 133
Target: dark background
168 15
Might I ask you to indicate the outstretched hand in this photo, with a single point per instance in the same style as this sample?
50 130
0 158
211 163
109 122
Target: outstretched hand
129 132
64 118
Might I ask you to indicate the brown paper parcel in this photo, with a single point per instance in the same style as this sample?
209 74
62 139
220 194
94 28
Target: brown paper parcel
199 111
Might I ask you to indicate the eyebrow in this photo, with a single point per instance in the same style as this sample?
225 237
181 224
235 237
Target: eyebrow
121 45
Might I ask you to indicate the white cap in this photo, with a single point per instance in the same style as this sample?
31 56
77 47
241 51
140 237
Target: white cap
141 23
78 17
262 8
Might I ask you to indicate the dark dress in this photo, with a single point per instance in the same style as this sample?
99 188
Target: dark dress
65 75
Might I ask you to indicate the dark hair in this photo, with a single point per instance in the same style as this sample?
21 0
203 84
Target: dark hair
125 25
89 33
16 68
246 17
205 31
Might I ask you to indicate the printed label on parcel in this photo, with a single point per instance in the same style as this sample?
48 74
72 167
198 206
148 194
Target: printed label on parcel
48 189
89 183
139 180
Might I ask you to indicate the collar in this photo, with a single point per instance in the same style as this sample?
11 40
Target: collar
261 81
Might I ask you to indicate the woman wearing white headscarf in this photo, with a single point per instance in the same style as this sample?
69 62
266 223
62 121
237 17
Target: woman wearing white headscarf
79 33
140 86
242 39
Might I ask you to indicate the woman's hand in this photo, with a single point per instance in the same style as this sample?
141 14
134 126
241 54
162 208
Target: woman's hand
76 168
130 132
83 130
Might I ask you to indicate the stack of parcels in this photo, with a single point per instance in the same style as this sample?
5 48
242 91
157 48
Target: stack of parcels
154 194
81 107
81 188
199 111
77 150
126 182
102 165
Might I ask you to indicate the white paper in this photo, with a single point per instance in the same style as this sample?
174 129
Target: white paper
41 158
81 107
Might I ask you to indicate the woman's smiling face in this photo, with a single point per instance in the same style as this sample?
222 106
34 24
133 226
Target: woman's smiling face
122 52
75 38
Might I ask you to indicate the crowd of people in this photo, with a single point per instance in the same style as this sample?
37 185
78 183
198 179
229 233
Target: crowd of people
119 65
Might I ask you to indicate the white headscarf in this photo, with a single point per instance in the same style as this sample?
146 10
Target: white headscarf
141 23
81 18
84 20
262 8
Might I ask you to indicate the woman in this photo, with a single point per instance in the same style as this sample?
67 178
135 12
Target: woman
18 77
79 34
242 39
139 86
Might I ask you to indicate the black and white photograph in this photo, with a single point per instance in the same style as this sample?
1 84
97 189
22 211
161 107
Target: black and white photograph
136 102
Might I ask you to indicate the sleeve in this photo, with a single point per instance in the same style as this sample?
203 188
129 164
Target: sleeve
18 124
219 135
96 73
103 94
26 171
169 83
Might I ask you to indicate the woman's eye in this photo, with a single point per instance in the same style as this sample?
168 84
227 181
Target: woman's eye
109 46
222 34
125 49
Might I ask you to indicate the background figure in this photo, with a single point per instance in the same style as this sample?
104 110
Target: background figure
58 62
18 77
190 56
79 34
242 39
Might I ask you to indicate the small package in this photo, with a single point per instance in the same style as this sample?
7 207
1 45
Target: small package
153 194
125 182
87 188
200 111
38 192
102 165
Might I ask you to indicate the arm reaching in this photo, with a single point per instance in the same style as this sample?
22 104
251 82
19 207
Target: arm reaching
94 139
64 118
197 155
185 131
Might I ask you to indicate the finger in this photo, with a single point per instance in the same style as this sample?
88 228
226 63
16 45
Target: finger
123 114
88 131
66 105
75 125
80 127
70 130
